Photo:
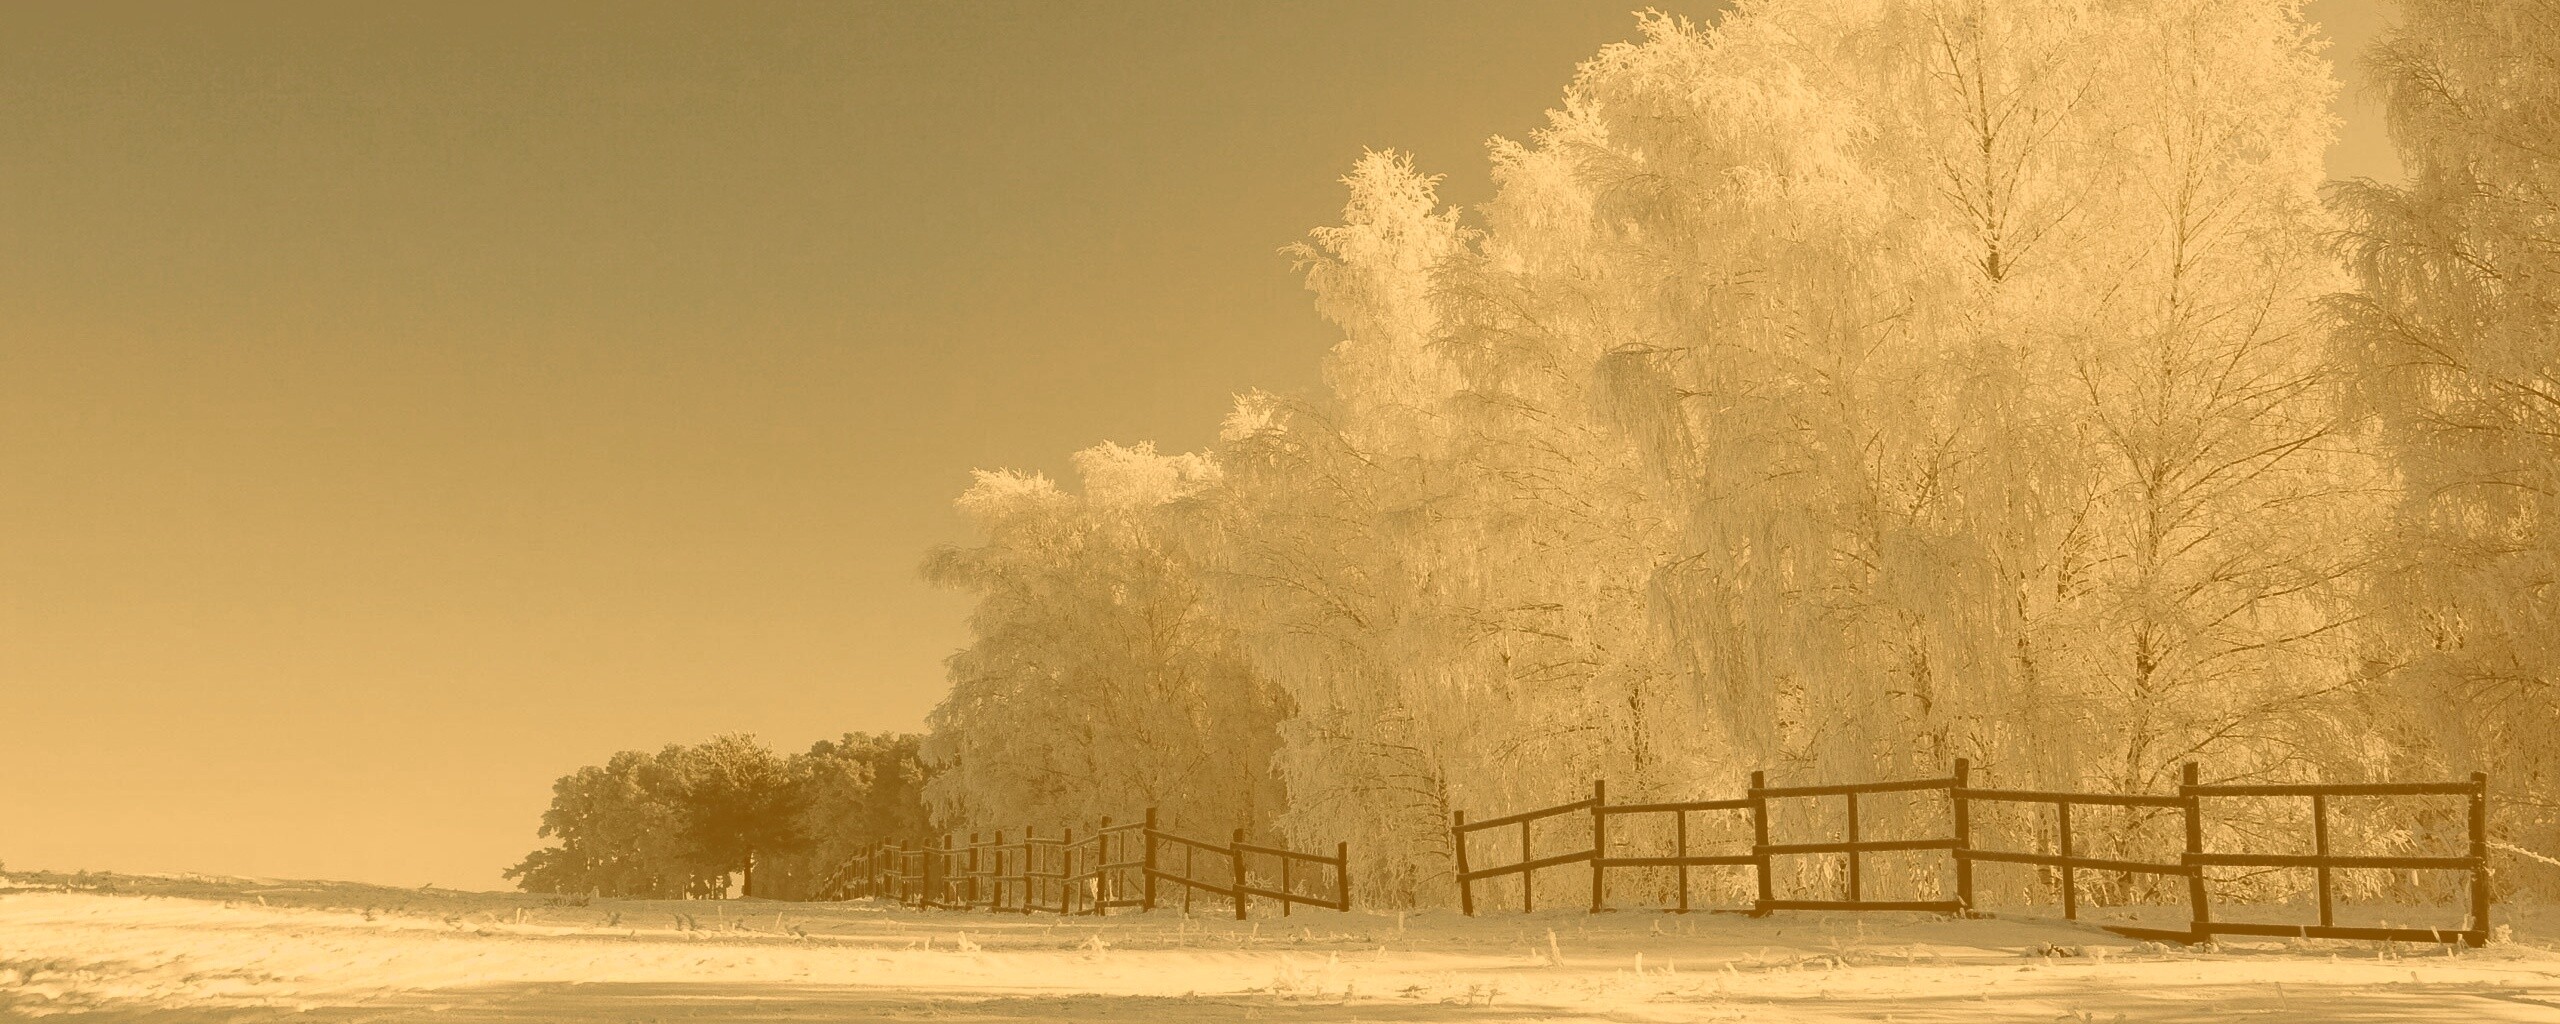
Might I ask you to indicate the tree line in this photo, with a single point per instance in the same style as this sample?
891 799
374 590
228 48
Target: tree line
687 821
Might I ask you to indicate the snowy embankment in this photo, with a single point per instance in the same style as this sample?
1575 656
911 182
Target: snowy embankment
203 950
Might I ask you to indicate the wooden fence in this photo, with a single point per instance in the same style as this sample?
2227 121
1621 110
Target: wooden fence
1114 867
1961 797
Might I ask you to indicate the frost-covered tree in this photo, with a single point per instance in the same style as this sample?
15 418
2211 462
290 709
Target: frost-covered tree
1839 389
1842 388
2454 339
1094 684
1454 608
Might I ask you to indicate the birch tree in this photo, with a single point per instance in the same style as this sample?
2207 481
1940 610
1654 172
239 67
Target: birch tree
1094 685
2453 337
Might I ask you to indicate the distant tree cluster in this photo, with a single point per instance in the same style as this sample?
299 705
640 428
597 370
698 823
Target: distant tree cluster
683 822
1841 389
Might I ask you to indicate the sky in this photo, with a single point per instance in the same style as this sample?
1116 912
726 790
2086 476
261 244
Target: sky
404 404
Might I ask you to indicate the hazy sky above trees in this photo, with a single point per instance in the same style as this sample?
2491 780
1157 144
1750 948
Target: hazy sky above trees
401 407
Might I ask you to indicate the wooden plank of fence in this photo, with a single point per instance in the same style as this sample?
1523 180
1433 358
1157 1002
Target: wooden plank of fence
1850 788
2313 860
1524 867
2091 863
1526 816
2041 797
2341 788
1717 860
1736 804
1859 846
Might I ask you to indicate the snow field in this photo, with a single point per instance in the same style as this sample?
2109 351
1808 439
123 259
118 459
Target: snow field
90 955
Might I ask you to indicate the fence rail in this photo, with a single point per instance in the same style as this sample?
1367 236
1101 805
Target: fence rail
1110 868
2067 859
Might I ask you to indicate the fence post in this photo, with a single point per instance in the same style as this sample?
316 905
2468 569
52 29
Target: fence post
1235 857
1964 836
2070 878
2320 847
2200 913
1101 876
2479 861
1066 867
1466 886
1599 844
995 899
1342 876
1760 839
1853 854
1147 862
1680 849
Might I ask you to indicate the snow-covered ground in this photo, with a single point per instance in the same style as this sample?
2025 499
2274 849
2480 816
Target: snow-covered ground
201 950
